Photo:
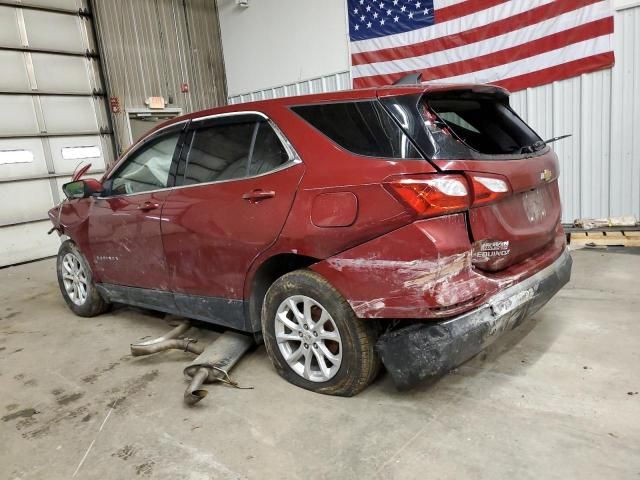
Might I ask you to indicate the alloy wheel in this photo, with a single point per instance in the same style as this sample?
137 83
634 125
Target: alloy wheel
74 277
308 338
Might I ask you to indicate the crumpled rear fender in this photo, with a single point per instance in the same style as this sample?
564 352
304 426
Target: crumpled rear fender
423 270
412 272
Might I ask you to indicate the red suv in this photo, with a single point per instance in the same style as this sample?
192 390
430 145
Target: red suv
408 225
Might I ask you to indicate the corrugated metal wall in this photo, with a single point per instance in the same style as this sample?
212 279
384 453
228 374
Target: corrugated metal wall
601 163
151 47
328 83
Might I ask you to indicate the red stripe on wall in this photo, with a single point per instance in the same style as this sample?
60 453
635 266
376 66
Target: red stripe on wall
520 52
558 72
465 8
502 57
510 24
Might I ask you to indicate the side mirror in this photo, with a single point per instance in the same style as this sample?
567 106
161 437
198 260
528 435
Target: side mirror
82 188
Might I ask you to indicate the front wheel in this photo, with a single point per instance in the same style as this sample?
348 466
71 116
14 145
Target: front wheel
314 339
76 282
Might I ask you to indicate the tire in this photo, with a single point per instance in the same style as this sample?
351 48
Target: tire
74 275
350 359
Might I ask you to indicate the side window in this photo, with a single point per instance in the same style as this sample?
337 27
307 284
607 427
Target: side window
219 152
268 151
148 168
364 128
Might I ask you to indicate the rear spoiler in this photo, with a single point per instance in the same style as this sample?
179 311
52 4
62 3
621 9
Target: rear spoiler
410 79
500 93
415 78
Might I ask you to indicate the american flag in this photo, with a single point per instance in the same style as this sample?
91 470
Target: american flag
512 43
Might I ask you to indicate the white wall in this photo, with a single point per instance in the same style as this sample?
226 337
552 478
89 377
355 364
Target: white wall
275 42
620 4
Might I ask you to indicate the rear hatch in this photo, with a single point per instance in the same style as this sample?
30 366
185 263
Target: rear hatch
512 173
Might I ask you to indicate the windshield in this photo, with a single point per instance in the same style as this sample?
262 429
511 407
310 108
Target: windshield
483 123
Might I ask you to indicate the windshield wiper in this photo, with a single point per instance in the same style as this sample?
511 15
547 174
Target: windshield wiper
534 147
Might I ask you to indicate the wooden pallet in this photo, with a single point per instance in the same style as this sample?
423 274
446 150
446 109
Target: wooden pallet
618 238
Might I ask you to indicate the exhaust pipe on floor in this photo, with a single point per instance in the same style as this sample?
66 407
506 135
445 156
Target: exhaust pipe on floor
194 392
169 341
184 344
214 364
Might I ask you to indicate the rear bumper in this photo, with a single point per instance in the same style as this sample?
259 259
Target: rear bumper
422 351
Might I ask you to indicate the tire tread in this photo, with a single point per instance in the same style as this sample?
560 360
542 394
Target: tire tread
366 333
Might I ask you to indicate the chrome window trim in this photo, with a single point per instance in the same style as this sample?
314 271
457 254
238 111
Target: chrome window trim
294 158
284 166
285 141
230 114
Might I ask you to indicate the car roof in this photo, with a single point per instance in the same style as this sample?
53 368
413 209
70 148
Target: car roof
342 95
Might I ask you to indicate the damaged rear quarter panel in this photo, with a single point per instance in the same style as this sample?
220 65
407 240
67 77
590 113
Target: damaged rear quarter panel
413 272
423 270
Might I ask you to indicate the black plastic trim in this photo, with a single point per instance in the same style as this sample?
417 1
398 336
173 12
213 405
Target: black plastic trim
219 311
139 297
423 352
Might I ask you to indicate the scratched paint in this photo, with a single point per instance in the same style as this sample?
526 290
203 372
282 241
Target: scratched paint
378 284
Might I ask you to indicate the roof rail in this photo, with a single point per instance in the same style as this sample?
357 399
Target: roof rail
410 79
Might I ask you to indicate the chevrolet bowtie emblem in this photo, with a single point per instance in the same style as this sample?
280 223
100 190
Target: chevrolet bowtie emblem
546 175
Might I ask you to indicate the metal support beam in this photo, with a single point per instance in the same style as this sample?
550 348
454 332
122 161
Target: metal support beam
30 6
53 94
86 54
60 134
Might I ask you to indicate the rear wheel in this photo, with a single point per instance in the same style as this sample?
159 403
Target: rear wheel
76 282
314 339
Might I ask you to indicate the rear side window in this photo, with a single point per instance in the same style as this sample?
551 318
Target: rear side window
363 128
227 149
484 124
268 151
220 152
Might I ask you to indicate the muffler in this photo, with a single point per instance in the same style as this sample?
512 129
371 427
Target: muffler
214 364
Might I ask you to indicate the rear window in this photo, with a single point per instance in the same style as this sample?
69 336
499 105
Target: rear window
482 123
363 128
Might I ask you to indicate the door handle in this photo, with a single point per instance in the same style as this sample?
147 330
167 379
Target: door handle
147 206
258 195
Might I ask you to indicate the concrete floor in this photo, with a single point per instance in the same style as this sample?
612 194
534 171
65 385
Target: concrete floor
555 400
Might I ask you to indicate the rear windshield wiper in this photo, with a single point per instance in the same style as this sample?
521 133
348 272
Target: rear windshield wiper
534 147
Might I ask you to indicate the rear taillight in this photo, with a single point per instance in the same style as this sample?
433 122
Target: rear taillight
432 195
488 188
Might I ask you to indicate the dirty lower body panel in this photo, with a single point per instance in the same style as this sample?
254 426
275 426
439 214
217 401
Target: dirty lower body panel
426 351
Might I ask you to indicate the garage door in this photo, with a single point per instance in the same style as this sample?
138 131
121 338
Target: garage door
52 117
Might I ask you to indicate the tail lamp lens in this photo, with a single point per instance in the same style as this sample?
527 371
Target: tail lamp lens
432 195
488 189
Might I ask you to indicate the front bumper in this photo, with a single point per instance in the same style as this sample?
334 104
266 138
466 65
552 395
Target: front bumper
426 351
